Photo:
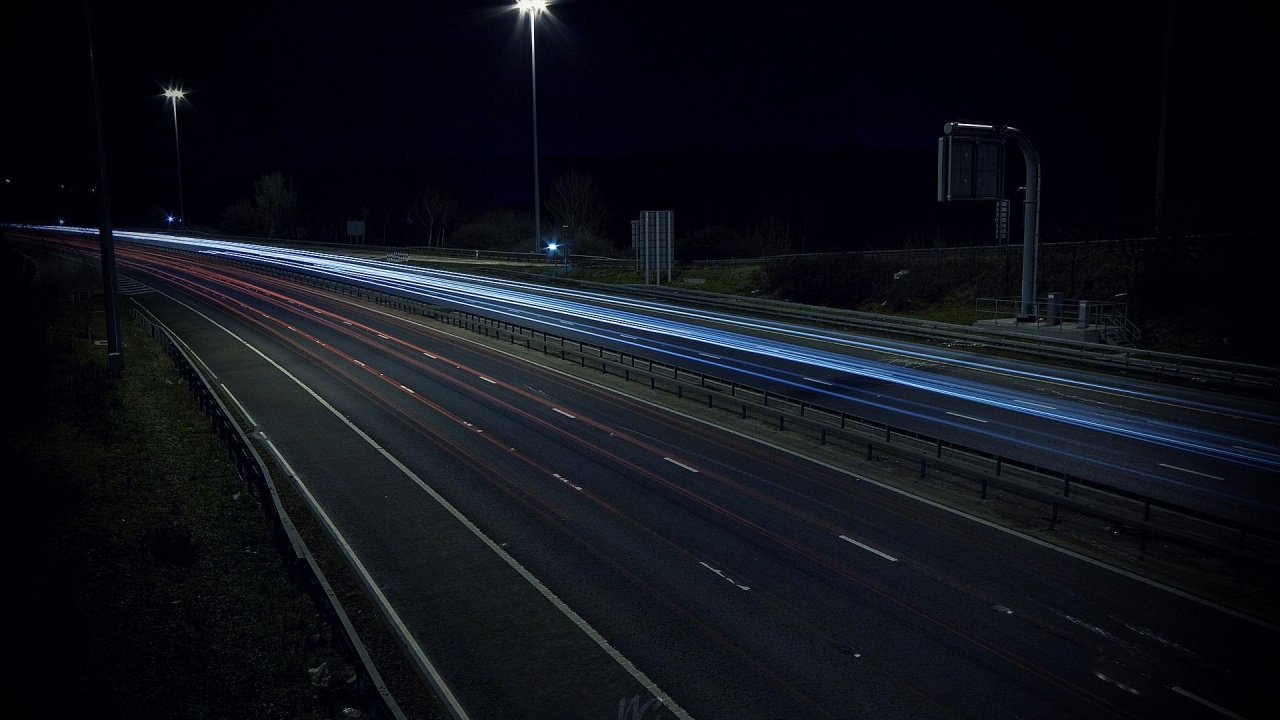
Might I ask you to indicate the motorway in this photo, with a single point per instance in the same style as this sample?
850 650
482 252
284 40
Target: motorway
552 548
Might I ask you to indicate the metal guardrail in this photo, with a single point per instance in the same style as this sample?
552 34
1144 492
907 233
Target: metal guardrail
1249 548
1046 347
370 691
1245 546
1054 348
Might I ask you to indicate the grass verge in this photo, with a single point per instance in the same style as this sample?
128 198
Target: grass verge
149 581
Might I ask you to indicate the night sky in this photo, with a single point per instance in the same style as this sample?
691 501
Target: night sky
638 94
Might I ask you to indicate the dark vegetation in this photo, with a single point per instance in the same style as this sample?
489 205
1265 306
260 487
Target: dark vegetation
1198 296
147 580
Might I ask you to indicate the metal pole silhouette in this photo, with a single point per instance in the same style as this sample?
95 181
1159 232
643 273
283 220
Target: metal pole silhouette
115 346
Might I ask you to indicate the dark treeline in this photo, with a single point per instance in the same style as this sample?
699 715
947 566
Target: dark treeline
726 204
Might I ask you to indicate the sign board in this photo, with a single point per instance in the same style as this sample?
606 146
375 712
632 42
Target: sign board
1002 220
355 229
653 237
970 168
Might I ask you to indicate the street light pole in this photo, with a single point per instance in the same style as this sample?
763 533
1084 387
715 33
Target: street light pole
533 8
176 94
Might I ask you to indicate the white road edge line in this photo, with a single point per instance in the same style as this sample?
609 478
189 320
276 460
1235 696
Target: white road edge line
455 707
677 462
932 503
1206 703
252 423
870 549
967 417
1193 472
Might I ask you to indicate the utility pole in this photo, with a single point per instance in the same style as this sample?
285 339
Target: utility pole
115 346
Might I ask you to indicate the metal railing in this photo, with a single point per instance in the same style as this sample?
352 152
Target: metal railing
1061 348
370 691
1249 548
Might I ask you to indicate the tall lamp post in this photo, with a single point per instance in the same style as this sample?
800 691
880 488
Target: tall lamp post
534 8
176 94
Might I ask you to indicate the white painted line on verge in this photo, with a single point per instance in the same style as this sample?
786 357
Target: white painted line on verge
564 480
1039 405
677 462
454 707
1193 472
436 679
868 548
726 577
967 417
252 423
1206 703
942 507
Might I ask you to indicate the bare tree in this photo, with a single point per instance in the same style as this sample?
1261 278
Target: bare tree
433 209
275 197
772 236
574 201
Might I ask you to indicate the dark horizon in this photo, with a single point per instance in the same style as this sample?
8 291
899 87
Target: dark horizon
665 105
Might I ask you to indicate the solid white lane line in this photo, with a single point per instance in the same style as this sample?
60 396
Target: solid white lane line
677 462
454 707
868 548
493 382
820 382
247 416
571 417
433 357
1254 450
967 417
1039 405
1206 703
1193 472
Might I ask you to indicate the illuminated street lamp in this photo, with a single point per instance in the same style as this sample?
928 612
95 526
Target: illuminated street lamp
534 8
176 94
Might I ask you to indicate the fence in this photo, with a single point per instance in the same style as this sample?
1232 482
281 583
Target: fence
370 691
